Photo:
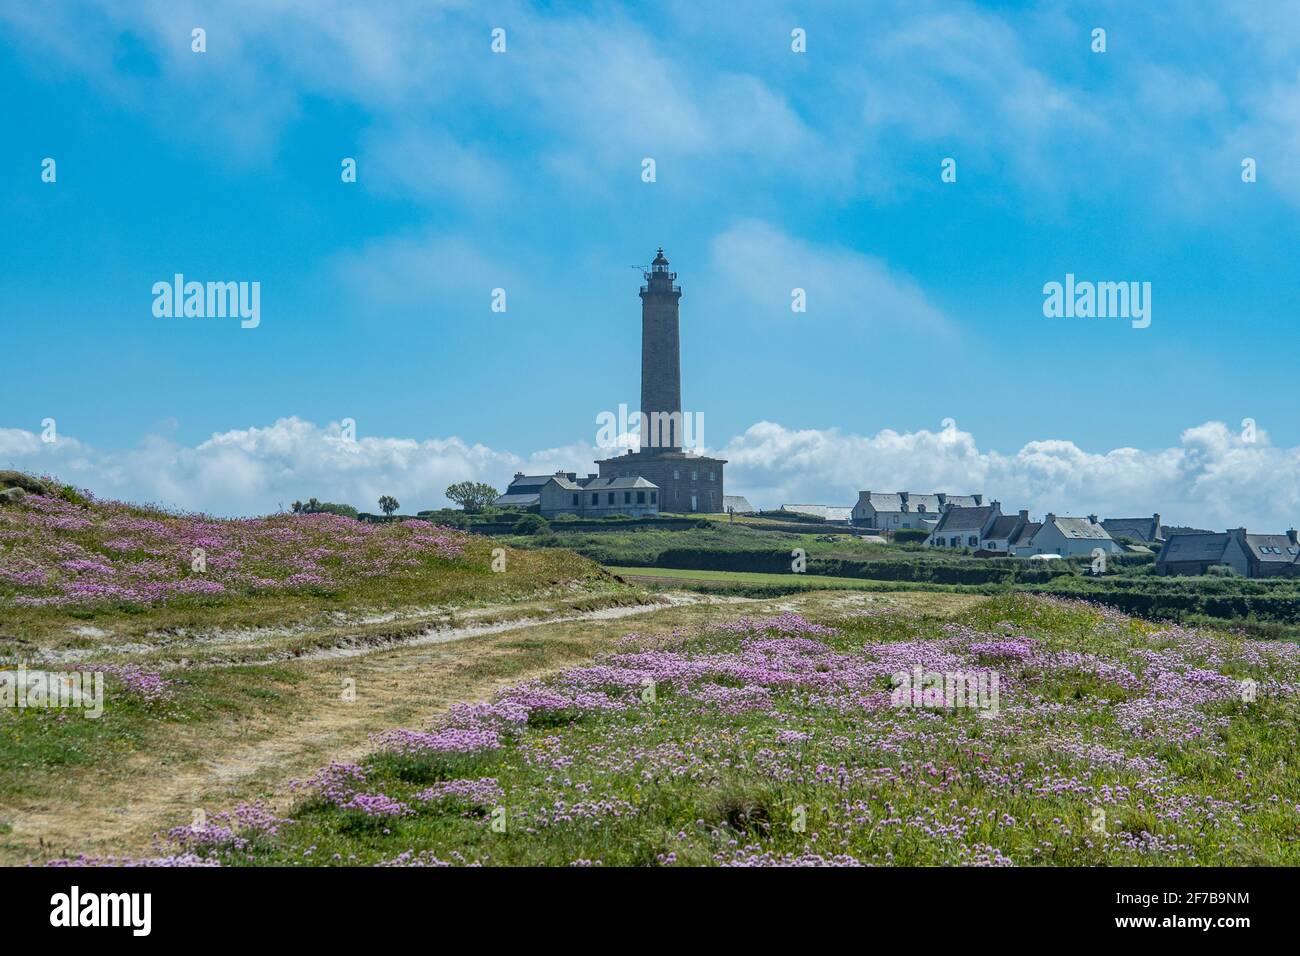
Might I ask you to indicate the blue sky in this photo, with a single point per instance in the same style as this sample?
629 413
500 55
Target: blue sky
775 170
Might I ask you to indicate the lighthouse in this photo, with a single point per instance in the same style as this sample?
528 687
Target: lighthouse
687 482
661 358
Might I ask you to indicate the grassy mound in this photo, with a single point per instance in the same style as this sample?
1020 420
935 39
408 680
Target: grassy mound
67 559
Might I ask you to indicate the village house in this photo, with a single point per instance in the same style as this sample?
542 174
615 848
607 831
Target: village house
1067 537
961 527
904 509
829 513
524 490
592 497
1250 555
597 497
737 504
1006 529
1146 530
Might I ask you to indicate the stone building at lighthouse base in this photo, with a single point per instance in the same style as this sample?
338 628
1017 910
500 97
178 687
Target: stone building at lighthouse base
687 482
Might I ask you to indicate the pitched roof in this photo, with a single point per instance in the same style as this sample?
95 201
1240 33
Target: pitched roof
965 519
1194 547
1274 548
630 481
530 484
1026 534
829 512
1079 528
885 502
517 501
1143 529
960 501
737 503
1003 527
907 501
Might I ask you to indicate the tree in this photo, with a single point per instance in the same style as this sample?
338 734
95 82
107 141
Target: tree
388 504
472 495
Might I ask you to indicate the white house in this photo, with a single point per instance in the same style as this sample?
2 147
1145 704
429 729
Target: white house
906 509
595 497
1068 537
964 527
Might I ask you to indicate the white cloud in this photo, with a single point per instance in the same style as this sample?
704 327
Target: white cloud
1212 478
256 470
758 265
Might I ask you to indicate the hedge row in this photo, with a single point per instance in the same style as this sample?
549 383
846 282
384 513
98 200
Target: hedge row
997 571
1282 605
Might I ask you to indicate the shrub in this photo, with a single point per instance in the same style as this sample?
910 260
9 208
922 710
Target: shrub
531 524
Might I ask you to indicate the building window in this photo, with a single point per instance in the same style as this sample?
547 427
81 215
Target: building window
611 497
575 501
711 478
640 497
695 475
627 497
595 498
676 474
973 541
654 497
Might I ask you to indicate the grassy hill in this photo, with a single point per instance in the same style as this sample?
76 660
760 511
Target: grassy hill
71 564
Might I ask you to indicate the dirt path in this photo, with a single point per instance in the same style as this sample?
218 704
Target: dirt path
119 812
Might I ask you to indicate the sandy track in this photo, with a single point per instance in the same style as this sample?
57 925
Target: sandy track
398 685
120 813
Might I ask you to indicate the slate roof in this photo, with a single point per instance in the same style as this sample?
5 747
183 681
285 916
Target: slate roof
737 503
964 519
829 512
907 501
1144 529
529 484
1194 547
1003 527
602 484
517 501
885 502
1273 548
1080 528
960 501
1026 533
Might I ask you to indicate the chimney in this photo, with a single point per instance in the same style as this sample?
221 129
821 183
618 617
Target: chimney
1291 536
979 499
519 474
1050 518
590 476
1024 514
1092 519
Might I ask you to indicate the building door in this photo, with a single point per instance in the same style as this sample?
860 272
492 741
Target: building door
694 506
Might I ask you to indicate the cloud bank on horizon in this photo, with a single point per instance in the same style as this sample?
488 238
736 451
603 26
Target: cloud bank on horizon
1215 477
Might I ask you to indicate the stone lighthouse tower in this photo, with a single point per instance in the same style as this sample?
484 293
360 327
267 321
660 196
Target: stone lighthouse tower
683 481
661 358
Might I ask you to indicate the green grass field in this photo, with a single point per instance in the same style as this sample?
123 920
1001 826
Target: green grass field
1109 741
